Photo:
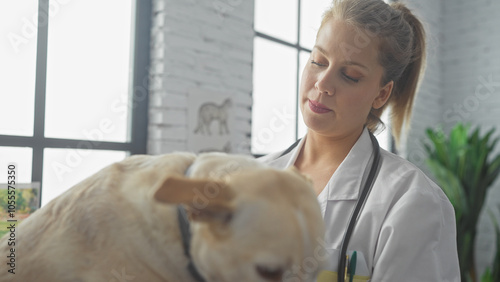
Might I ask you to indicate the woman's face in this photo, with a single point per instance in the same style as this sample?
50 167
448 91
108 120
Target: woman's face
342 81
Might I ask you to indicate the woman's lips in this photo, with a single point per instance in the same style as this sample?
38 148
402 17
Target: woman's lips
318 107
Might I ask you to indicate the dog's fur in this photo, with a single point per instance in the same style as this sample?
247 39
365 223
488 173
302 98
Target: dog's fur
248 223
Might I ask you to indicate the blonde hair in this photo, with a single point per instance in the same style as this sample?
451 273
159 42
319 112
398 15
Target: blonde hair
401 52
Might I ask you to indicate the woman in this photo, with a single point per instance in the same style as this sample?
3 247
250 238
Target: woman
369 55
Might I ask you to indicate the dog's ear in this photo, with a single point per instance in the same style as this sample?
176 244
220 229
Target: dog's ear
206 199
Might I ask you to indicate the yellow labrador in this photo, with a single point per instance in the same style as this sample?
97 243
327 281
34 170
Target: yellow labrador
248 223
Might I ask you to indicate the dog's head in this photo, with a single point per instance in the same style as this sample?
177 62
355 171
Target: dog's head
259 224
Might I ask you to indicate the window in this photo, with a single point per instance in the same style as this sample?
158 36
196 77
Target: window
76 97
281 50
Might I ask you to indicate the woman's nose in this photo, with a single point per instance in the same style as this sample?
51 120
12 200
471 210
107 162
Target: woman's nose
324 87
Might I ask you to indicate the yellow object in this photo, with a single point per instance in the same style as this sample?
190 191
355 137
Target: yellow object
345 272
330 276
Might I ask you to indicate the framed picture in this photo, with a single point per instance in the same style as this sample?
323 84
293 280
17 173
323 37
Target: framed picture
210 118
27 201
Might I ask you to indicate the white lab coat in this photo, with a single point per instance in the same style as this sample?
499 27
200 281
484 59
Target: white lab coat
406 230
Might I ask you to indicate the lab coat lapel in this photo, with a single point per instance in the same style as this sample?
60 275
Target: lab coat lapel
280 162
286 160
342 191
345 183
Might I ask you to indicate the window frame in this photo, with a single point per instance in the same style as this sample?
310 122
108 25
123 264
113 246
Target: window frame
297 48
138 95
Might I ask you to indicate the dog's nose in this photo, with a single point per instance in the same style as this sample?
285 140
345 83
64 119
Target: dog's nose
270 273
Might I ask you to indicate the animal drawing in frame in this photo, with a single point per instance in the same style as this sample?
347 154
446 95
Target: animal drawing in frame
209 112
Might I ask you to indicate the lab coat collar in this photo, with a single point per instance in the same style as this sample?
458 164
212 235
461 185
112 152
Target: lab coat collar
277 161
283 161
345 183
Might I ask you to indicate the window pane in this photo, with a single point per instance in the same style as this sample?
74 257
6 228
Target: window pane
63 168
88 70
274 96
22 157
277 18
18 30
311 12
304 59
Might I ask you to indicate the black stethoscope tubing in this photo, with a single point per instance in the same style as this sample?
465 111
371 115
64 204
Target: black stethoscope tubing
359 206
359 203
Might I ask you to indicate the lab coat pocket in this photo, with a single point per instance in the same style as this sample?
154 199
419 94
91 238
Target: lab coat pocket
329 274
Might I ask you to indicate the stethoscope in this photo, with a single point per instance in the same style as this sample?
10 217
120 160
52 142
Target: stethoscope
372 175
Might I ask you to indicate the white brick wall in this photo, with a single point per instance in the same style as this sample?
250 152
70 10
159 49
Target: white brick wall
428 104
462 83
206 45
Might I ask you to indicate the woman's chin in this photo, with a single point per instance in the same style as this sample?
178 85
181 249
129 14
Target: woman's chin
319 125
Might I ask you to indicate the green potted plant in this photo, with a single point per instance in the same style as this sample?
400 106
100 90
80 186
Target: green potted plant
490 275
463 165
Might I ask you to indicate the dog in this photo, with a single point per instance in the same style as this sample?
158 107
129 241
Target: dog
248 222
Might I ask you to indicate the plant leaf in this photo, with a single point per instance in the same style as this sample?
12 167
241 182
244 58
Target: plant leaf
439 143
451 186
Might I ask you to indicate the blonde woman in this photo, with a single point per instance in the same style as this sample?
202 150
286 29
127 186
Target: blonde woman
369 56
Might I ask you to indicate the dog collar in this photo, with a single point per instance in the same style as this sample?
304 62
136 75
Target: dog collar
186 242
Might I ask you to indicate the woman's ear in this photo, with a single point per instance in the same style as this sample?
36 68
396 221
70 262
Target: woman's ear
383 95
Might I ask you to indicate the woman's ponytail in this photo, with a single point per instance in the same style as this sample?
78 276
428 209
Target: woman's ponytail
405 87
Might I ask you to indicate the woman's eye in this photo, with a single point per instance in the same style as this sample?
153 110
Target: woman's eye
318 64
350 78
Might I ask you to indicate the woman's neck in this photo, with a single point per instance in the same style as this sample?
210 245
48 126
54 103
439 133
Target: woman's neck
321 156
320 149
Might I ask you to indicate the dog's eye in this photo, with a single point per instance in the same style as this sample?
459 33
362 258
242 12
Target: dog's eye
268 273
